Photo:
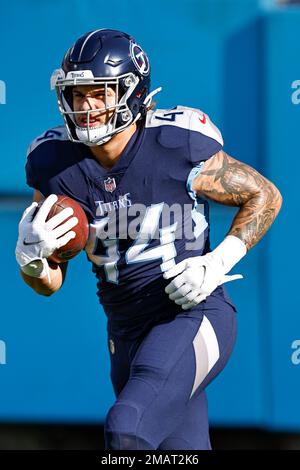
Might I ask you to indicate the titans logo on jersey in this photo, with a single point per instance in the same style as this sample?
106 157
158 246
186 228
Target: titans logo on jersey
144 216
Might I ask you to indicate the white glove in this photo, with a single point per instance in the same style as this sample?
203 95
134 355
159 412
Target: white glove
197 277
38 239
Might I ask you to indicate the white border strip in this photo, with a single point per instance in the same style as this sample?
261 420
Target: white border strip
205 337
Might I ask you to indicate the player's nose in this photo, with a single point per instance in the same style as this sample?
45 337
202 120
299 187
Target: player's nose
87 104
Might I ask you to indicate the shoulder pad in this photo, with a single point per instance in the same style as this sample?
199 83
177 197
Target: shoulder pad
56 133
186 118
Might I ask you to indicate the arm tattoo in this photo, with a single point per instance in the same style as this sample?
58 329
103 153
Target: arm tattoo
228 181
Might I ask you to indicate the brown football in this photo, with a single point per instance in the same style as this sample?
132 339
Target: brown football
77 244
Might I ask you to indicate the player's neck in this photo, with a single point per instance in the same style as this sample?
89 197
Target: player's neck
108 154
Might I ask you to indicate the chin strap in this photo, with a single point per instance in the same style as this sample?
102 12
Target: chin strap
147 101
97 135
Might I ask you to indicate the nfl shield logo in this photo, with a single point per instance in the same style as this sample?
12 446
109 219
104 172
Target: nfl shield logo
110 184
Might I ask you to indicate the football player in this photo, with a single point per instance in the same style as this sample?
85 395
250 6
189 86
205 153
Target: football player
144 177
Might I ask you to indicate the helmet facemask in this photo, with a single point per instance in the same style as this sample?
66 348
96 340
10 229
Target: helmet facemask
121 118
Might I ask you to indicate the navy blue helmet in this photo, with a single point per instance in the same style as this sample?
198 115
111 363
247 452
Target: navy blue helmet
107 58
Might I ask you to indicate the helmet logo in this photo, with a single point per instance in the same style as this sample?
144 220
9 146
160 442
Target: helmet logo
140 59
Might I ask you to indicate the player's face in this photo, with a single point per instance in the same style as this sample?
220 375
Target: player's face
86 98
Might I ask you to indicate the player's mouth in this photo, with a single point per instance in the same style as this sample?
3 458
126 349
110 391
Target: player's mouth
92 122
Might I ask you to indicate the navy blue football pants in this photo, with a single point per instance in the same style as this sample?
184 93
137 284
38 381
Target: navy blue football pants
160 380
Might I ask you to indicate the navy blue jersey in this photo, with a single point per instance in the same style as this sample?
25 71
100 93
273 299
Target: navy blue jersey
144 216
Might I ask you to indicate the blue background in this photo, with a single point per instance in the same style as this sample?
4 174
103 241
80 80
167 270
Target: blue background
234 59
